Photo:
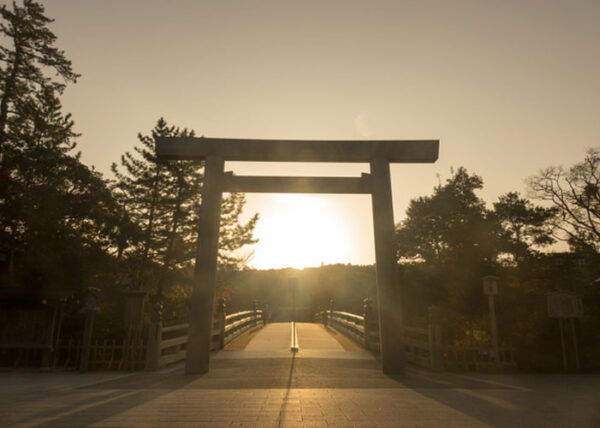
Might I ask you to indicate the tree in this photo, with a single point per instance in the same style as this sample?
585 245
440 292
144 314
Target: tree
525 225
55 212
454 241
575 195
163 198
26 65
451 226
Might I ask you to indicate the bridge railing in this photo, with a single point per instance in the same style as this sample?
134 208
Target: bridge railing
173 349
167 345
364 329
422 345
236 324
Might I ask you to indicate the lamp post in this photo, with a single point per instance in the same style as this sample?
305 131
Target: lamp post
490 288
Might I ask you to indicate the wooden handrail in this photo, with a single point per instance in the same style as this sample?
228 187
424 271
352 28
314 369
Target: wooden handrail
349 316
171 350
175 328
182 340
352 325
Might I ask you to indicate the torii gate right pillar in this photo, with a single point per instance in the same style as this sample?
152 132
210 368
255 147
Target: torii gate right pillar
390 316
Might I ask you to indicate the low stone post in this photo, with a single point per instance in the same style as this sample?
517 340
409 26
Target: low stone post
370 325
436 350
220 317
154 338
90 308
265 314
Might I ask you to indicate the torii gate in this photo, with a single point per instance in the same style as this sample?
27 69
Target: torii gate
215 151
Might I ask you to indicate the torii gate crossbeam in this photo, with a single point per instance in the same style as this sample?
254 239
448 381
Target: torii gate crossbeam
215 151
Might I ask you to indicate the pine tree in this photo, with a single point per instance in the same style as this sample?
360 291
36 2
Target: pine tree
163 199
27 58
56 214
525 225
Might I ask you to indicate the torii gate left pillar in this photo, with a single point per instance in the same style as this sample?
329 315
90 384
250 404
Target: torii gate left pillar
215 152
205 270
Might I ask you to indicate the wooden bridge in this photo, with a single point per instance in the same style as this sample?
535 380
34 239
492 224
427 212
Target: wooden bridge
423 346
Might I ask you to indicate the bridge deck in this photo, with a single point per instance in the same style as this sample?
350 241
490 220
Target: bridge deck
321 389
314 342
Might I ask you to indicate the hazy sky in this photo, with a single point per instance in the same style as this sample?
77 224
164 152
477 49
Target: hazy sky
508 87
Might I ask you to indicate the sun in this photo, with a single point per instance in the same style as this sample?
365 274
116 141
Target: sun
303 231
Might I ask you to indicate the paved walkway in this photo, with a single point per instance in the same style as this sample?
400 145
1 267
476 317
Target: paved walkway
306 390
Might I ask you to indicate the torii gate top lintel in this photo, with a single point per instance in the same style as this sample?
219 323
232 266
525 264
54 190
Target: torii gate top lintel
232 149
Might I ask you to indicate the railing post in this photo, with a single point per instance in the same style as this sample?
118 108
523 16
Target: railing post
436 351
133 319
255 309
265 314
154 338
221 320
370 323
328 313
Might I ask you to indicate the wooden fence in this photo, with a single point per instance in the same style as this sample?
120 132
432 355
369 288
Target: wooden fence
423 347
478 358
103 354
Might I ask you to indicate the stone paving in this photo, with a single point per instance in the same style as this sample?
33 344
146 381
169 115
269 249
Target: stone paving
297 391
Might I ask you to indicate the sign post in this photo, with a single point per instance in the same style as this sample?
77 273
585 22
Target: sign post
561 305
490 288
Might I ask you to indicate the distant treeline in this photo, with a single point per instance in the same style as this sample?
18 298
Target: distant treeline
344 285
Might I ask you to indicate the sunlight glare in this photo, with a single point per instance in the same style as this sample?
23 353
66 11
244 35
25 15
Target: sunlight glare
303 231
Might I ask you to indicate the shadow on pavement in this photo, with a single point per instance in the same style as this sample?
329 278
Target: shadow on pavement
537 401
501 405
284 402
276 373
96 409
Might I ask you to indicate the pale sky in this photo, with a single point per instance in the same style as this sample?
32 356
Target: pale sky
508 87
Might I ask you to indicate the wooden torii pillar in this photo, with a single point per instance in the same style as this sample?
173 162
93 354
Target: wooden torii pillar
215 151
